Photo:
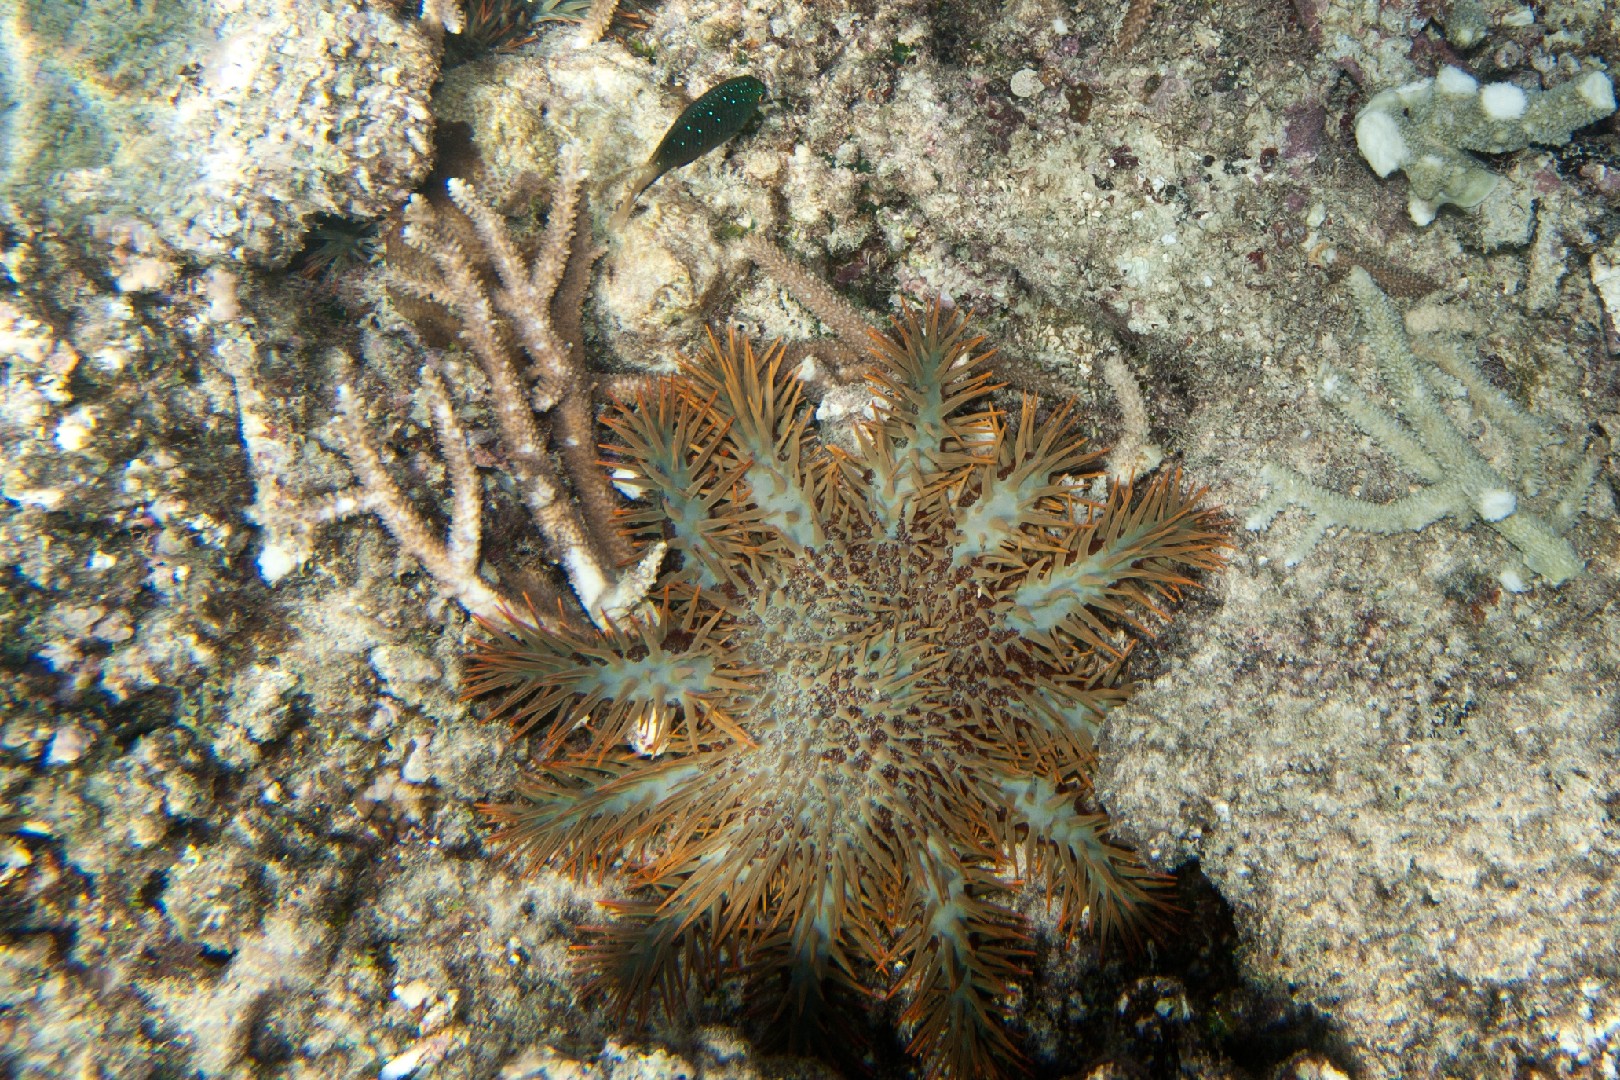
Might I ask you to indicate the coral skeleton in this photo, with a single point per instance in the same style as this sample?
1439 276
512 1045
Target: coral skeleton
867 701
1459 481
518 319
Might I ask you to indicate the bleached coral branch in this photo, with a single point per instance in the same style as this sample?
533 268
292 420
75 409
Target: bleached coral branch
454 565
446 14
1133 456
288 518
1419 434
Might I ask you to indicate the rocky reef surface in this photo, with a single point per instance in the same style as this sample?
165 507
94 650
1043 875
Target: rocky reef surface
239 835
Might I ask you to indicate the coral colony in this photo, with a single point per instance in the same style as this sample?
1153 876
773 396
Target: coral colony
518 318
1426 128
1458 480
865 699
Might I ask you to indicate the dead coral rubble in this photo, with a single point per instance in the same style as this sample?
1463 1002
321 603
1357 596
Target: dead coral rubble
247 118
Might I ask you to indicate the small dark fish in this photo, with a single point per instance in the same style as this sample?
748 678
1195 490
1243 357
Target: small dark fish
706 123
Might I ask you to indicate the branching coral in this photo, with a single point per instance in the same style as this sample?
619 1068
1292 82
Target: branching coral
519 319
1459 481
867 701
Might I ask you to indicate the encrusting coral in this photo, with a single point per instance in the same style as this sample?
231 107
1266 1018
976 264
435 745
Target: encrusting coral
866 700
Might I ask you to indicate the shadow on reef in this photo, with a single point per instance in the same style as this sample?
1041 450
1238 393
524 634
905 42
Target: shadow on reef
1180 1001
1177 1006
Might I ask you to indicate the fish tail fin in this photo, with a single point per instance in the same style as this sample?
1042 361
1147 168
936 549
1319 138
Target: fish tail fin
640 182
622 214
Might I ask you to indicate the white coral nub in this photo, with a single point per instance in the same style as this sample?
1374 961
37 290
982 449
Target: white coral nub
1455 82
1597 91
1378 134
1503 101
1496 504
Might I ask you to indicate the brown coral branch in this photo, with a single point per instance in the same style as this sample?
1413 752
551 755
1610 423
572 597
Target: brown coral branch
499 298
574 423
837 314
454 565
1135 21
456 271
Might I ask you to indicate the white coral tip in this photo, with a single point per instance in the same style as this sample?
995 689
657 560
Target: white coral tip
1503 101
276 562
1455 81
1379 137
1597 91
1495 504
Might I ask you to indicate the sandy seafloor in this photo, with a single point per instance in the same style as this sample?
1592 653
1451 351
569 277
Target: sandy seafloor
239 835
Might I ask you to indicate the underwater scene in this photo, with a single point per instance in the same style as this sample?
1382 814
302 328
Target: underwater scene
762 539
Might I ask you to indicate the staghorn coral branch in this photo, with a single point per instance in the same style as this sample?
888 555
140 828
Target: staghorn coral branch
1133 456
466 513
1137 14
837 314
525 294
288 519
522 307
574 420
628 385
459 262
454 567
541 303
546 276
1417 432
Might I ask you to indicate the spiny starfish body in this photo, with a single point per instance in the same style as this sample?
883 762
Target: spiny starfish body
866 701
